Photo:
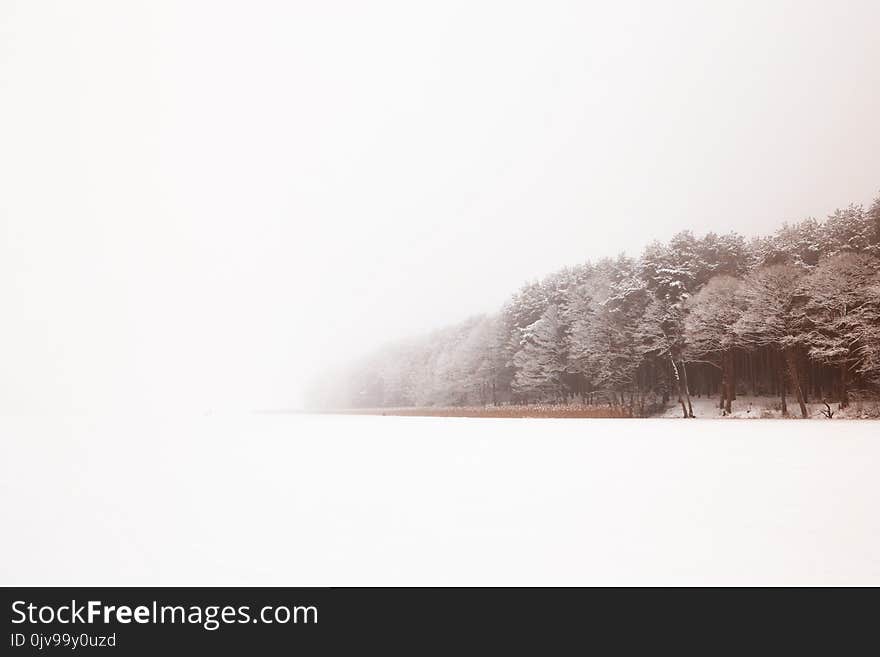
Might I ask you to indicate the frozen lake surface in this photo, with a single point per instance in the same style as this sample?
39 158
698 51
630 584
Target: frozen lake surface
345 500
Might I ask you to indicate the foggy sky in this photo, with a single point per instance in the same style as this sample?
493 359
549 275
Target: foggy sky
204 203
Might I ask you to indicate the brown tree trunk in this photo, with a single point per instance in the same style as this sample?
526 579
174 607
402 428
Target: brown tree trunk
805 387
844 388
730 394
678 385
791 359
780 378
684 410
726 401
731 379
753 375
687 390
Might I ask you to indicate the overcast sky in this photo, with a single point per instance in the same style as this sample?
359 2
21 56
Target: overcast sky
202 203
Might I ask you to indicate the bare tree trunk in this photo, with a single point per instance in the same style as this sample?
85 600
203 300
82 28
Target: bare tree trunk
805 387
791 359
732 378
844 388
726 401
684 410
753 374
780 377
731 386
687 390
678 383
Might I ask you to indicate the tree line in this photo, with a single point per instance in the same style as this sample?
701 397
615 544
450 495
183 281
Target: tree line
795 314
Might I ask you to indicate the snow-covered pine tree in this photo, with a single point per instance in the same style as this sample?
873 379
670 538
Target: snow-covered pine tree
670 271
851 229
769 320
799 244
659 336
540 361
610 351
580 315
720 255
709 329
867 331
833 294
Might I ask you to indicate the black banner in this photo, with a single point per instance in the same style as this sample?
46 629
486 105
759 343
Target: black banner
151 621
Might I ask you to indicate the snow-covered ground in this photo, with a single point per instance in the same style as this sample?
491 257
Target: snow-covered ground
331 500
749 407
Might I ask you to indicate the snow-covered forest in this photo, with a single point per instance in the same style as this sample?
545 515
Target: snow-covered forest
794 315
